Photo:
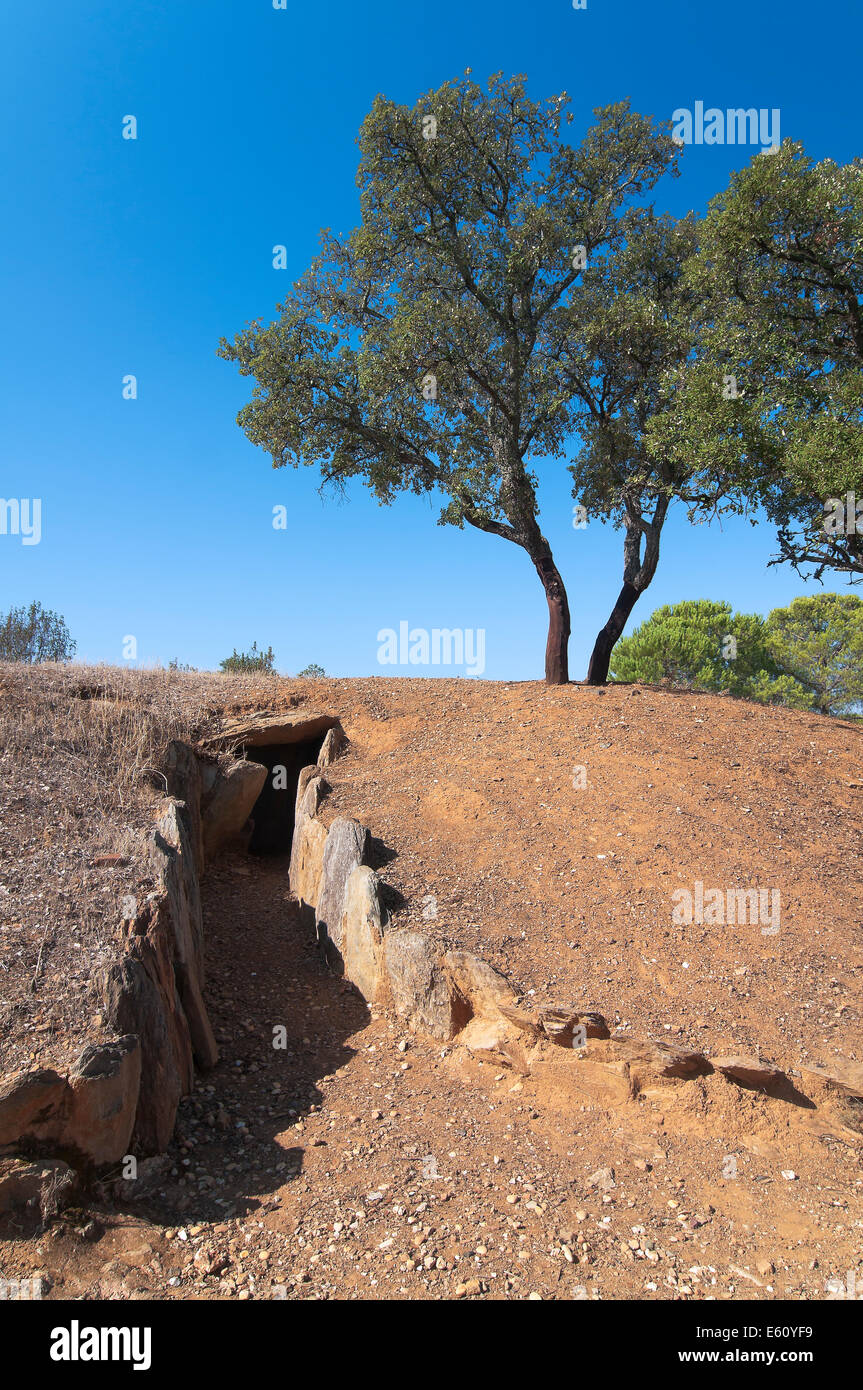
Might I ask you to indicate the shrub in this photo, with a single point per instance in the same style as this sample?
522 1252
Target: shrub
253 660
818 639
34 634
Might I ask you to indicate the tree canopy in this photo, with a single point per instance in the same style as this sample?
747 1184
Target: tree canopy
771 402
808 655
630 326
699 643
35 634
428 350
818 639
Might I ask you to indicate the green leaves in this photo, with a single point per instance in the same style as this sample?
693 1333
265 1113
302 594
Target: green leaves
697 643
808 655
818 639
462 268
780 274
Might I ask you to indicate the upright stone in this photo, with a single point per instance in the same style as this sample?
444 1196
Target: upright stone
420 989
104 1082
226 806
307 845
332 746
346 847
362 933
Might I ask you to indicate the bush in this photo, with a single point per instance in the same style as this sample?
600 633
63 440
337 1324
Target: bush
242 662
704 645
697 643
780 690
312 670
34 634
818 640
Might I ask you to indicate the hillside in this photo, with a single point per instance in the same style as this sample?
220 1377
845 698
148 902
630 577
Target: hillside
545 830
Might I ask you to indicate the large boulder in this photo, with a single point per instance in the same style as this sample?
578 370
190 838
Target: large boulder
134 1003
104 1082
346 847
420 990
33 1106
362 933
227 805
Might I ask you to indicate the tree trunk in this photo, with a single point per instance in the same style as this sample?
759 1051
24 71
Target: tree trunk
637 575
557 646
597 671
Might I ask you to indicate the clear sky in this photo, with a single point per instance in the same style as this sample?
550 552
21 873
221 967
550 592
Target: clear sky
134 257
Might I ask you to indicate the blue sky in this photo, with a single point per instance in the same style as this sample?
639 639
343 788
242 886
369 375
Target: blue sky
124 256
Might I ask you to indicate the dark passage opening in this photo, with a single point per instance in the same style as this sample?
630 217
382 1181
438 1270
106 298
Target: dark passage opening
273 812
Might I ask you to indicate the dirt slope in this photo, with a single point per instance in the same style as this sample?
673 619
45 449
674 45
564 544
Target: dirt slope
362 1163
365 1163
570 890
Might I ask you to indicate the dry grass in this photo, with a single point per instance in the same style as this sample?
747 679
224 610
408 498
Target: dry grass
116 721
82 748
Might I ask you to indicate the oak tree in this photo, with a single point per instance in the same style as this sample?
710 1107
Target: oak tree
422 352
